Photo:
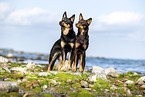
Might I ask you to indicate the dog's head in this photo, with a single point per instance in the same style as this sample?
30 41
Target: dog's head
83 24
67 22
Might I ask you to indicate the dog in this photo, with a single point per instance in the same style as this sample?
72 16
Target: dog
63 45
67 39
81 42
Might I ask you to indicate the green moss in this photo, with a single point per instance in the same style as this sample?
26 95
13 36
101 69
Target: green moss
103 84
96 87
12 79
14 94
99 93
83 90
73 94
120 91
4 95
65 76
44 82
46 95
120 75
23 84
18 75
128 73
61 90
16 64
84 76
37 90
85 93
26 89
32 78
76 85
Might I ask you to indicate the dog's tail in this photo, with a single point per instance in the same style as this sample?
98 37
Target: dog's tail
53 58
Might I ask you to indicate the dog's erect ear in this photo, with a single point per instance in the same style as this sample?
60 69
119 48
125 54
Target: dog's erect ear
80 17
72 18
89 21
64 15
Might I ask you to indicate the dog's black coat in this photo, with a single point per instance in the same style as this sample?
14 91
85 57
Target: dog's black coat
64 44
81 42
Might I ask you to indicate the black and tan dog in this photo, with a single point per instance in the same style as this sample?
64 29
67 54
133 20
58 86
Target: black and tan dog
64 45
81 42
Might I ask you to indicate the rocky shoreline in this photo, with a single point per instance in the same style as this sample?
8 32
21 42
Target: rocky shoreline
32 80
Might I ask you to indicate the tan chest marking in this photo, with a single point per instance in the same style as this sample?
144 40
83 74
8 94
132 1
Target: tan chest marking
71 44
77 45
65 31
85 46
82 32
62 44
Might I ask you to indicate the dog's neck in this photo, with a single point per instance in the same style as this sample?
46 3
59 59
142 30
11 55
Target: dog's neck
66 30
83 32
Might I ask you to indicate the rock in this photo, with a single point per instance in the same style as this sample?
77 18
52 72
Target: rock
135 73
24 79
45 87
8 86
98 72
84 84
53 82
44 74
77 73
31 65
2 59
54 72
10 55
5 66
141 81
22 70
69 80
91 85
7 79
130 82
128 91
143 86
113 87
113 72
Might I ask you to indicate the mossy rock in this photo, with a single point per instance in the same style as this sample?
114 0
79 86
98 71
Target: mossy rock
99 93
4 95
37 90
65 76
129 73
46 95
12 79
96 87
18 75
14 94
83 90
73 94
76 85
85 93
61 90
84 76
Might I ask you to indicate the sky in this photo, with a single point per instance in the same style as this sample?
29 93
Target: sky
117 29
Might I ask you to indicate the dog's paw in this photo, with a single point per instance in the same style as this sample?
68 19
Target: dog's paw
63 69
81 70
69 68
74 69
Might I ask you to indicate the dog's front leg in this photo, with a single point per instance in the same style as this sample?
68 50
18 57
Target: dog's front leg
75 63
70 56
70 60
84 60
81 62
63 61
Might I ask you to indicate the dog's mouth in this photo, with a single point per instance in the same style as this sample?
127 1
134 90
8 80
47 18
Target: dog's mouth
66 25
